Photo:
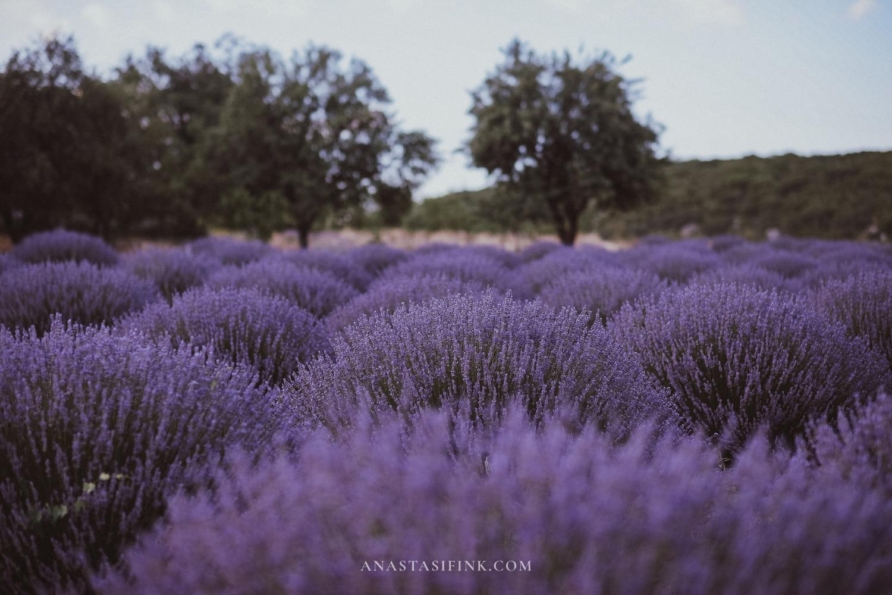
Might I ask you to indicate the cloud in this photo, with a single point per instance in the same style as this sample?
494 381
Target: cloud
719 12
859 8
97 15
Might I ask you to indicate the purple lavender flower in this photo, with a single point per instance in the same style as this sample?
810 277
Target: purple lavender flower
530 279
376 258
745 274
61 246
736 358
332 262
229 251
79 292
579 514
172 271
479 352
7 263
313 290
393 292
538 250
241 326
507 259
600 293
863 303
96 430
456 263
673 261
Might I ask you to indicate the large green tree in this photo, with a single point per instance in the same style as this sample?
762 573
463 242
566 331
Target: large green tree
563 131
68 155
316 133
176 101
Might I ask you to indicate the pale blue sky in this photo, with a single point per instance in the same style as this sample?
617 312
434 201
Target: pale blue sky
725 77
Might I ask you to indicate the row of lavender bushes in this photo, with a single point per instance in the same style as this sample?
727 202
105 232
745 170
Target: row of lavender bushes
693 416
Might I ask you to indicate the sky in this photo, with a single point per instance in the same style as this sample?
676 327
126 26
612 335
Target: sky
725 78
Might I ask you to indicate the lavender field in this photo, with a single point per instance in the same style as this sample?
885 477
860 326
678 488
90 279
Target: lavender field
696 416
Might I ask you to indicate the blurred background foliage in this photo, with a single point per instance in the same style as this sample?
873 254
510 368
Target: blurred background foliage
234 136
834 196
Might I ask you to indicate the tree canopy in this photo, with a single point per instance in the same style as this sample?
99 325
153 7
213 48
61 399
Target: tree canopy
230 135
563 132
313 134
68 154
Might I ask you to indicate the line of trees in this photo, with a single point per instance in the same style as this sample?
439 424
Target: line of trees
237 136
233 135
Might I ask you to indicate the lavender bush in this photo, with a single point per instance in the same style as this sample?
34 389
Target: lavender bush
600 293
62 246
745 274
672 262
228 251
7 263
580 515
538 250
456 263
81 292
736 358
96 429
241 326
863 303
374 259
389 294
328 261
861 448
480 353
172 271
529 280
313 290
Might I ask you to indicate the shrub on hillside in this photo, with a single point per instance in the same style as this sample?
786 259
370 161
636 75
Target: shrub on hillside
62 246
80 292
96 430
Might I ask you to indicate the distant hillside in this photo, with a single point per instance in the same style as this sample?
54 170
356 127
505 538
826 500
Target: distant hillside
838 196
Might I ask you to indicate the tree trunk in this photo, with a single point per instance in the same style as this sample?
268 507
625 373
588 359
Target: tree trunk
303 237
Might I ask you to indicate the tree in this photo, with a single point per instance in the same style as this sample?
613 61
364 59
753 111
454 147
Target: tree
175 101
564 132
67 152
317 134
